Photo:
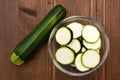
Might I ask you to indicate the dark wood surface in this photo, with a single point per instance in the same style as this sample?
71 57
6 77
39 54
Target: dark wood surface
19 17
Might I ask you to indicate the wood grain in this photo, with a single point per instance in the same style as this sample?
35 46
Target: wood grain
19 17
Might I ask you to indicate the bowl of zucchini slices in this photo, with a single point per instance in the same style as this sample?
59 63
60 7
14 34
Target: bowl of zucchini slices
78 45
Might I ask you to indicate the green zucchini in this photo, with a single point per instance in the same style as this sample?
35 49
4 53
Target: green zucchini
25 48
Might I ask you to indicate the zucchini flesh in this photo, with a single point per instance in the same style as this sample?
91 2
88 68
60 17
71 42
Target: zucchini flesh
90 58
73 65
95 45
83 49
79 64
98 50
76 28
75 45
90 33
25 48
64 55
63 36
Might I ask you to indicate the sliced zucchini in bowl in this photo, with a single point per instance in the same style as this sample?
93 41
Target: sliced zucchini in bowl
63 36
90 33
95 45
76 29
73 65
79 64
75 45
98 50
83 49
64 55
79 47
90 58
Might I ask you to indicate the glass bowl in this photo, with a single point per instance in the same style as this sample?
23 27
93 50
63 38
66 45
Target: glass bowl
53 45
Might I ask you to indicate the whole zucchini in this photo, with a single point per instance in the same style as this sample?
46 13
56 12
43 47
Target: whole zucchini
38 35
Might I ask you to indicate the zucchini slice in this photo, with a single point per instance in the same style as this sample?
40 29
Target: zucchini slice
90 58
98 50
79 64
76 29
95 45
75 45
63 36
90 33
64 55
83 49
73 65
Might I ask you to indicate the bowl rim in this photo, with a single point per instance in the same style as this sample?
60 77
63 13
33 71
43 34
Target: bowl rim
107 43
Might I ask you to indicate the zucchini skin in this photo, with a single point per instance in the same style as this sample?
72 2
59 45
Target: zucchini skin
36 37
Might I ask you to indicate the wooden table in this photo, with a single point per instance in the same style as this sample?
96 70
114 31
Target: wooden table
19 17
